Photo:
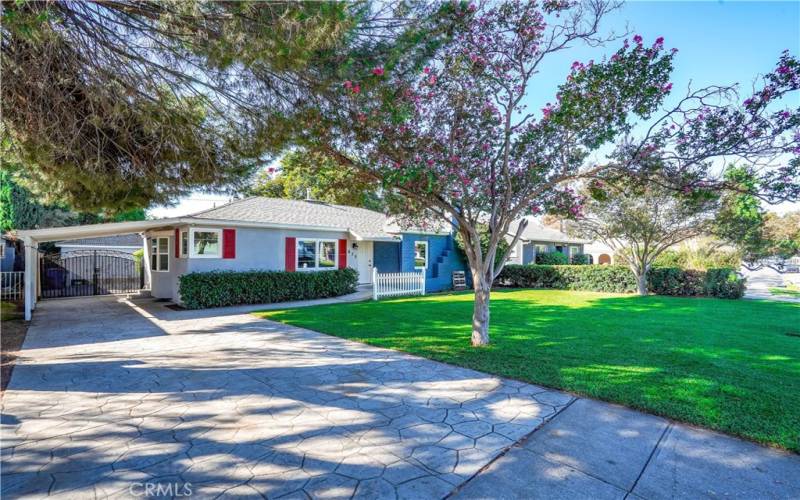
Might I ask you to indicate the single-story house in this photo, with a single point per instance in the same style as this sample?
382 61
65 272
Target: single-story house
536 239
124 243
261 233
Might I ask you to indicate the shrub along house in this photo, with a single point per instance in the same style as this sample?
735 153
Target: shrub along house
270 234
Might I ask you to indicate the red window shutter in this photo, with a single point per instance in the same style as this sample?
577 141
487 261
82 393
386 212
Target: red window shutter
228 243
342 254
177 243
291 252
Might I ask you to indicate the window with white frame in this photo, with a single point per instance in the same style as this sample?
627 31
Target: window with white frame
541 249
205 243
184 243
573 251
159 254
313 254
420 254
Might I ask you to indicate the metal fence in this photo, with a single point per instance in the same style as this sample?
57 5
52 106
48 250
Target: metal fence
397 284
94 272
12 286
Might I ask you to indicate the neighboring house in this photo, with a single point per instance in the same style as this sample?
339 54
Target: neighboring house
281 235
536 239
600 253
8 254
125 243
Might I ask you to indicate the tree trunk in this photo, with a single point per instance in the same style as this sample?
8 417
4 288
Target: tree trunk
641 279
480 314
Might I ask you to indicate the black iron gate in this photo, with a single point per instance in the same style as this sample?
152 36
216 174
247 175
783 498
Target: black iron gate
90 272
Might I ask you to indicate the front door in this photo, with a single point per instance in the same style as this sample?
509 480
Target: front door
364 261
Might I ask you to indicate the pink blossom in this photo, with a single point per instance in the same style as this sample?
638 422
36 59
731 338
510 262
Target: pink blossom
377 71
432 80
426 70
637 39
348 84
356 88
667 87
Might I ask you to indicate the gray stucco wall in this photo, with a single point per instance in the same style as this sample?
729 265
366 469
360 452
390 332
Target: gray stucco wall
260 249
256 249
164 284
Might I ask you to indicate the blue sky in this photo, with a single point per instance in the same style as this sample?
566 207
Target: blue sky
718 43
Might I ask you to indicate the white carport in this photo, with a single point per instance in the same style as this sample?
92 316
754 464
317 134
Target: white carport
33 237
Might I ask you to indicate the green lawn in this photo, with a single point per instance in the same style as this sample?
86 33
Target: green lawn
731 365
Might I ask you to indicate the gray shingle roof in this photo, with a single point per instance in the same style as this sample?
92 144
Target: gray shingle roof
122 240
364 223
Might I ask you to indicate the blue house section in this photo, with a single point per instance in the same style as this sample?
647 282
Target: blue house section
386 256
443 259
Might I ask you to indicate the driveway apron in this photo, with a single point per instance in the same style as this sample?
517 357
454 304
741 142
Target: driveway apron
112 398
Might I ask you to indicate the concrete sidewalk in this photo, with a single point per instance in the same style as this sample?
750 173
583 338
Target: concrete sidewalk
597 450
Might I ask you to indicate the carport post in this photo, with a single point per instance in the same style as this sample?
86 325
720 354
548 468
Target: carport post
30 278
146 262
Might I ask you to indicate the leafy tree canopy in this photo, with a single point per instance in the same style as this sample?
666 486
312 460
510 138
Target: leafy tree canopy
640 221
303 173
21 209
137 103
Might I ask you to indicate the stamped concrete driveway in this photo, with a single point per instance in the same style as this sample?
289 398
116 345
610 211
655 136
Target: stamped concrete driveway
111 398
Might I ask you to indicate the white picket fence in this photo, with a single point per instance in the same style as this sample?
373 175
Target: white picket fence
397 284
12 286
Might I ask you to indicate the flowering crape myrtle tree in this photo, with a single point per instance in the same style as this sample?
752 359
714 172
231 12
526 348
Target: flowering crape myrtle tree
456 141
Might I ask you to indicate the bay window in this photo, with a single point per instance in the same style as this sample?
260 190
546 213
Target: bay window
313 254
159 254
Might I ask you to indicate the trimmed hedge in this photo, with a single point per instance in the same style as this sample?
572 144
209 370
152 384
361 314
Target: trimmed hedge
228 288
722 283
551 259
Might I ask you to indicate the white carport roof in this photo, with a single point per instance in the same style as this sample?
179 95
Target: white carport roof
113 228
94 230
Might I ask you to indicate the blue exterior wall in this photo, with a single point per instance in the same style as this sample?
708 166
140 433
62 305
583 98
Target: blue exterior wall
443 259
7 262
386 256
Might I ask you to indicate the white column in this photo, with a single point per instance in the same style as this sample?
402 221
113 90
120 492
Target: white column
146 261
374 283
30 280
